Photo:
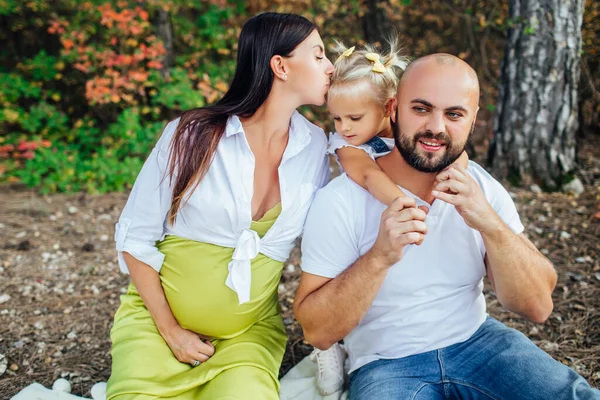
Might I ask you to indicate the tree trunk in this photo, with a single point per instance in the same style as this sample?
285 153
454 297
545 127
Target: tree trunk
376 23
537 118
165 33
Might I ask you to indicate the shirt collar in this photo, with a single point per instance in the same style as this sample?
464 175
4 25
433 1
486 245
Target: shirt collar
299 133
234 126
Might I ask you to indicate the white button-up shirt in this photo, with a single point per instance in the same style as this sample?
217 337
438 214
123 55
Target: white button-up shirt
219 210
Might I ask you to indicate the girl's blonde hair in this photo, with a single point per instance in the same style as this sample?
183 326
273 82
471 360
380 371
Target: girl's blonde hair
367 64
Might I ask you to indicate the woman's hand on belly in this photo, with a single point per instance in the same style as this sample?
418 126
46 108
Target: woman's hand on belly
188 346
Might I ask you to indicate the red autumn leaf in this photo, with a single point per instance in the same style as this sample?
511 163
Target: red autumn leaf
28 155
80 67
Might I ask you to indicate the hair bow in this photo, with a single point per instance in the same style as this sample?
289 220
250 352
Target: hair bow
347 52
377 64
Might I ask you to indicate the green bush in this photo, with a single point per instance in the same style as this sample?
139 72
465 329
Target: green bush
86 86
85 92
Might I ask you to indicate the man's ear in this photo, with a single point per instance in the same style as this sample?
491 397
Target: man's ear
394 112
390 107
278 67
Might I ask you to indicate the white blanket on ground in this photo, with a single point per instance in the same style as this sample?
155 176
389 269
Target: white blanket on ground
300 383
60 391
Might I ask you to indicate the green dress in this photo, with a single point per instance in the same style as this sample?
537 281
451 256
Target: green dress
249 339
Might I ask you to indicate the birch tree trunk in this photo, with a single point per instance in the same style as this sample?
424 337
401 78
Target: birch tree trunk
537 118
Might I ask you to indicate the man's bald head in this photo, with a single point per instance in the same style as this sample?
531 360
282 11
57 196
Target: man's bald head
438 101
437 62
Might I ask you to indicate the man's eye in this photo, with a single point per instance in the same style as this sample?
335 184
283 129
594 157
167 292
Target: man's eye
419 109
454 115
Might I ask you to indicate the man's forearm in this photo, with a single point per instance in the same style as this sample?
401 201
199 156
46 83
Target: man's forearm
331 312
523 278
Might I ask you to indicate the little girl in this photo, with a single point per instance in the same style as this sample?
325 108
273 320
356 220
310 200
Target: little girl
361 100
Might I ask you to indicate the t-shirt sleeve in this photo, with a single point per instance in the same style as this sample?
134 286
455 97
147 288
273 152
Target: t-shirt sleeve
329 242
505 207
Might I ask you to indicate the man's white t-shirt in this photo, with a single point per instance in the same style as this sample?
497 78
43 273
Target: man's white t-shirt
430 299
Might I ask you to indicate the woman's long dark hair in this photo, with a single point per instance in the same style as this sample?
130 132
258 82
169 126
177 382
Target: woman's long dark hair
200 130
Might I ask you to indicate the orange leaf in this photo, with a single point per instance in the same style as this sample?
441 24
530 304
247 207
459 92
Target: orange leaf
140 76
68 43
154 64
221 86
143 14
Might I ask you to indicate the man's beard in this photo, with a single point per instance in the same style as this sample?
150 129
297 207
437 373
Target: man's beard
428 162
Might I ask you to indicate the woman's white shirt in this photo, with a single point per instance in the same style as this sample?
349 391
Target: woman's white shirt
219 210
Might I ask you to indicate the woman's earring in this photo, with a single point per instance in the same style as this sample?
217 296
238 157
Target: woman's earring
285 77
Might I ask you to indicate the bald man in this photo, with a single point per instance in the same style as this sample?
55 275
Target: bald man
402 285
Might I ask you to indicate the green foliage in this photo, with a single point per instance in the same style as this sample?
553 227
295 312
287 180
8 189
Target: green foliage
178 93
42 67
87 86
61 169
529 30
16 87
85 91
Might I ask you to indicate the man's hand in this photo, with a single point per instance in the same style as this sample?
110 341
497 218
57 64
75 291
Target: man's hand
455 186
402 223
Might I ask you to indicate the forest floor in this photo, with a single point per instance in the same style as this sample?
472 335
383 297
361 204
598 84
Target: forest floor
60 282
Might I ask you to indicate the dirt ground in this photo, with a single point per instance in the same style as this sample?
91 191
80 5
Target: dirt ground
60 283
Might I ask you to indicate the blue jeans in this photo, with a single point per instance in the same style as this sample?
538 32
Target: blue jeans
497 362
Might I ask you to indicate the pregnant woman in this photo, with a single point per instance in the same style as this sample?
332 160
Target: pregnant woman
212 216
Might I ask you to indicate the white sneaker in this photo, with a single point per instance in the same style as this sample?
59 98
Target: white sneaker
330 363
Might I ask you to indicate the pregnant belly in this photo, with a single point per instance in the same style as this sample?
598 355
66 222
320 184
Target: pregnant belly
193 278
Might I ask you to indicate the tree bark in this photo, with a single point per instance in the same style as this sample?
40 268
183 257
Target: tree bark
165 33
537 119
376 23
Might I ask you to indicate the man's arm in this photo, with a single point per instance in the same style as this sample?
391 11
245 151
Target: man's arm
521 276
328 309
